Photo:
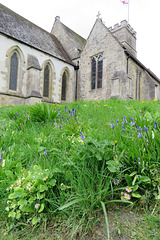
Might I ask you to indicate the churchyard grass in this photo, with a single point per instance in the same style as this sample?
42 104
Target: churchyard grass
71 163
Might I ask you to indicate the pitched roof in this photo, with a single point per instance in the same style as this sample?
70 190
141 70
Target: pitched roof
78 40
19 28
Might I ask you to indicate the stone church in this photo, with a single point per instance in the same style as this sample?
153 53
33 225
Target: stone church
38 66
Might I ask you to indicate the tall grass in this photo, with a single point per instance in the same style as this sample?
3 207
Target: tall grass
93 149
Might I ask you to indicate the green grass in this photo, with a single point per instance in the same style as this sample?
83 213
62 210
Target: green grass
92 151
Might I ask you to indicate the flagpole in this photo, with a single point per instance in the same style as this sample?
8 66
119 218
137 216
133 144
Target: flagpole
128 11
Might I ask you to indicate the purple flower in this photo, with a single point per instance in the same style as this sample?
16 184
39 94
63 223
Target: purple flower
155 124
3 123
123 129
58 111
139 134
13 117
1 156
131 119
140 111
45 153
117 122
65 109
145 128
17 113
82 136
124 120
69 113
139 160
112 125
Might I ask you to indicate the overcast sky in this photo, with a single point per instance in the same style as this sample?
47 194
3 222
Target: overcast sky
144 17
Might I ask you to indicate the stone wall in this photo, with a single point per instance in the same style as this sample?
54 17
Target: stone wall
100 42
30 74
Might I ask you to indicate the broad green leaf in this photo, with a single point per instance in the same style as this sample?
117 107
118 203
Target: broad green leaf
132 174
52 182
12 214
41 208
32 199
40 195
23 202
135 188
128 179
136 195
144 179
35 220
134 180
18 214
43 188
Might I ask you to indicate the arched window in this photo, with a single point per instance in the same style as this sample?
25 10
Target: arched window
13 72
46 81
64 83
93 74
100 71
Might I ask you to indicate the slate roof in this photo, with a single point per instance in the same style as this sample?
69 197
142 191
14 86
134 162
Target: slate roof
78 40
19 28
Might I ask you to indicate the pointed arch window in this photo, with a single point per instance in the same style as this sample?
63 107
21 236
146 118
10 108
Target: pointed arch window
96 72
64 84
13 72
100 71
46 81
93 74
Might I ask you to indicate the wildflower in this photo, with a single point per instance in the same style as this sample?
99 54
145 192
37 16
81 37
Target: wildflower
140 134
65 109
145 128
131 119
117 122
13 117
112 125
123 129
45 153
17 113
58 111
1 156
7 209
124 120
128 189
140 111
115 143
105 105
3 163
139 161
116 181
127 196
69 113
82 136
155 124
122 193
3 123
37 205
45 178
153 135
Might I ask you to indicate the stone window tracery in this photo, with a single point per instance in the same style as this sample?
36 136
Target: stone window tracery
96 72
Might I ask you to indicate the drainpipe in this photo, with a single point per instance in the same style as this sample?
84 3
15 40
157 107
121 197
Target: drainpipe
76 69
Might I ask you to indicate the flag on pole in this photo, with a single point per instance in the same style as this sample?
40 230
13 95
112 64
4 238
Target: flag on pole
124 1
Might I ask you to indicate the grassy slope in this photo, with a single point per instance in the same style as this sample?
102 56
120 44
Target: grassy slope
23 141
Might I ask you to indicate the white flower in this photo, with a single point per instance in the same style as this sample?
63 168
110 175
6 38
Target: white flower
37 205
153 135
3 163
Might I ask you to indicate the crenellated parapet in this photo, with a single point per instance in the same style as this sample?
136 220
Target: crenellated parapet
126 35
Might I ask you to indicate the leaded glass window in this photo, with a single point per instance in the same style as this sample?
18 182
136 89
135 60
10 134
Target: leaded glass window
13 72
93 74
46 81
100 71
64 81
